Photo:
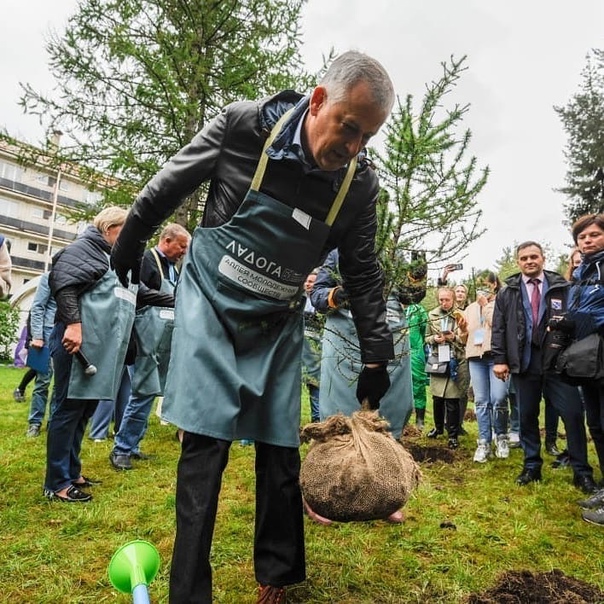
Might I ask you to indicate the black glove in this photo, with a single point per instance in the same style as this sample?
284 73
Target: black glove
575 324
372 385
127 252
338 297
563 324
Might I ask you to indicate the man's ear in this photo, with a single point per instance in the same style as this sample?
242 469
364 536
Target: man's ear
318 98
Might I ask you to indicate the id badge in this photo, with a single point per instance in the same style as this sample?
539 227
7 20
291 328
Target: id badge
444 353
479 336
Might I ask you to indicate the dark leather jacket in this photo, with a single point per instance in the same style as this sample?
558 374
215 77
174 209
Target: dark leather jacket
226 153
75 269
509 335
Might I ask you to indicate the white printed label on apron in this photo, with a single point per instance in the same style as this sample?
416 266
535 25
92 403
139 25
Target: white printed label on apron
125 294
302 218
254 281
167 314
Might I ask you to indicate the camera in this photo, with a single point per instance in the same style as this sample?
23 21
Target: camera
455 267
560 329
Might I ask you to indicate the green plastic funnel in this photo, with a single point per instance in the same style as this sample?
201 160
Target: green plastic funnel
133 564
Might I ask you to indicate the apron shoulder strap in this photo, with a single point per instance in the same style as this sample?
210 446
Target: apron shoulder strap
262 162
158 262
339 200
261 167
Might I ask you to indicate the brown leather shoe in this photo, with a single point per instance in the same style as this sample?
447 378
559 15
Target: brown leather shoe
268 594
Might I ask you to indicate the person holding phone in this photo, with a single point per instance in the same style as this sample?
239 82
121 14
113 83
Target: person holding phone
446 334
490 393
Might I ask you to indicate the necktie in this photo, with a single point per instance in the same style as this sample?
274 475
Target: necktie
535 303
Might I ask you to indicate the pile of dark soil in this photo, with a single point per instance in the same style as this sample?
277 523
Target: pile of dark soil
429 454
525 587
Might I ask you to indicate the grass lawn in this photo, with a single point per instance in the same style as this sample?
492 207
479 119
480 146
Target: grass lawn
465 525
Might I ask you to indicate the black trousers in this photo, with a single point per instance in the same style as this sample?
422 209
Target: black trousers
446 408
279 530
531 387
593 396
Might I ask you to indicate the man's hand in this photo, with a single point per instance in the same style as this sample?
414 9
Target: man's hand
373 383
72 339
37 343
501 371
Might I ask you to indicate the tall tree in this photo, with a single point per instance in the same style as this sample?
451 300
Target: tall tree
136 79
430 185
506 264
583 121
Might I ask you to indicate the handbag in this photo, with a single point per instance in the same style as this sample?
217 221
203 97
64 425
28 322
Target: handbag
583 359
436 367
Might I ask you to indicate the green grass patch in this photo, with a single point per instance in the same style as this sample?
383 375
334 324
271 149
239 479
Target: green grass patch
465 525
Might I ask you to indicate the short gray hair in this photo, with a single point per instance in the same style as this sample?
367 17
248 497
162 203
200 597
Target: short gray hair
173 230
352 67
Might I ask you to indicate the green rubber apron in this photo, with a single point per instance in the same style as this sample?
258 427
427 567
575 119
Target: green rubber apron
341 364
235 367
153 326
107 312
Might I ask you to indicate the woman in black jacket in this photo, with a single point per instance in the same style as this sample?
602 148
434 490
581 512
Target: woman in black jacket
89 308
586 316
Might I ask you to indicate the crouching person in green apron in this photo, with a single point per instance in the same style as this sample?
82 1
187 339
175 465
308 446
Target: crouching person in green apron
287 185
340 358
94 317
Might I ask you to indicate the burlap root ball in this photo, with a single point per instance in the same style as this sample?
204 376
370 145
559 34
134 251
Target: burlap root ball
354 468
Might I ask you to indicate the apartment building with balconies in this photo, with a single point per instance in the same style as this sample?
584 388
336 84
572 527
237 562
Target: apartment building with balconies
36 197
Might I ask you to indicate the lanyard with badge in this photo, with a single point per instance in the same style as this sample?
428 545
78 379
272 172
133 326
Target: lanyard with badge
444 349
478 337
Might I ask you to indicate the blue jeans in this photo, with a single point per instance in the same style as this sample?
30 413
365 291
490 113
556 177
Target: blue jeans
67 424
133 425
39 398
313 395
514 415
490 399
108 409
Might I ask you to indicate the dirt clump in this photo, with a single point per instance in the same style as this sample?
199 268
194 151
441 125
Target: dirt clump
429 454
525 587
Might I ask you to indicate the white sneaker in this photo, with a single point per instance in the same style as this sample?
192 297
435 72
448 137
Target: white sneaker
514 440
482 451
502 449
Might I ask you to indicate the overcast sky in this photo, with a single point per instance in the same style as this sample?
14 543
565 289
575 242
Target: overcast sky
524 57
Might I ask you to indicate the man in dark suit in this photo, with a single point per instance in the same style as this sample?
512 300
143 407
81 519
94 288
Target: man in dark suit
160 262
520 342
158 272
